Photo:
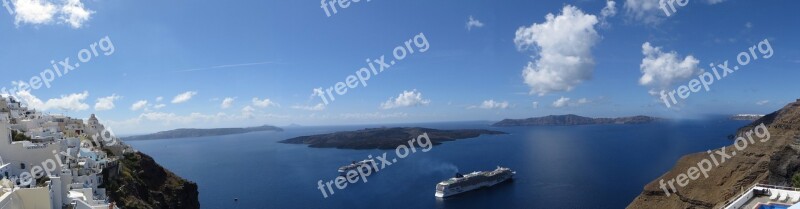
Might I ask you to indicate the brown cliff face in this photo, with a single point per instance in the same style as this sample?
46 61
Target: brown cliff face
771 162
139 182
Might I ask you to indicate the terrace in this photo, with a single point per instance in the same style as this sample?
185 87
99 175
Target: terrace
761 196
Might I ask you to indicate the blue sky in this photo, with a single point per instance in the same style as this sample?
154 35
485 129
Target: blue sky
283 50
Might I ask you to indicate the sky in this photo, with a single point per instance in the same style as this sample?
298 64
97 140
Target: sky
147 66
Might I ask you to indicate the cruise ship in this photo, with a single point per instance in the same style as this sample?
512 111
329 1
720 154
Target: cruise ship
472 181
353 166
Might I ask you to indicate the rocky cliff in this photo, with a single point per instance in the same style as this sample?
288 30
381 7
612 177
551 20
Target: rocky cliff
139 182
771 162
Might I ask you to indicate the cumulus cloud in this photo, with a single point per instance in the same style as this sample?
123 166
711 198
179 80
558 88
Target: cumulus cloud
491 104
473 23
227 102
646 11
609 11
158 99
106 103
660 70
159 106
263 103
318 107
650 11
406 99
36 12
72 102
561 102
183 97
567 102
139 105
562 50
74 14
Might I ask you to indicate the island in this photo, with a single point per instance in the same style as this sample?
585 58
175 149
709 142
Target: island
384 138
571 120
194 132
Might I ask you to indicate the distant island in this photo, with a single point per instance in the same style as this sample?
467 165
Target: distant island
384 138
571 120
750 117
194 132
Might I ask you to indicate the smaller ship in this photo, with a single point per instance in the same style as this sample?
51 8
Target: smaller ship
475 180
355 165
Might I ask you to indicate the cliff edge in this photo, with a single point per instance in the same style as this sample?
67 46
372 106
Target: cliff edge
139 182
770 162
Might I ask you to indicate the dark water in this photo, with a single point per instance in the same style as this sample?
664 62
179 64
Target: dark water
595 166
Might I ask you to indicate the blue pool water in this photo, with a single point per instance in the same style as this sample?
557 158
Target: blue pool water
773 206
594 166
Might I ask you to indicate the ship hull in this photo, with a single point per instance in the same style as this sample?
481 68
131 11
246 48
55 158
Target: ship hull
454 191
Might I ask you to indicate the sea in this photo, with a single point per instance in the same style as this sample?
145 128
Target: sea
588 166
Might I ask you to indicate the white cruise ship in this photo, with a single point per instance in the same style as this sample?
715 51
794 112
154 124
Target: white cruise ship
355 165
472 181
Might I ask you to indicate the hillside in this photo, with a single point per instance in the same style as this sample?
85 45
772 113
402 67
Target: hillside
771 162
194 132
138 182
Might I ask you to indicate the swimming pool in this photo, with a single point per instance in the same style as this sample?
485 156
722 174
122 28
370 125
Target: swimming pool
772 206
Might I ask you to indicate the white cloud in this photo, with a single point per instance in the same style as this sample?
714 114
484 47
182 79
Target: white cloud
74 14
535 105
561 102
158 99
565 102
650 12
139 105
661 70
473 23
762 102
248 111
263 103
491 104
183 97
609 11
406 99
72 102
33 11
646 11
106 103
159 106
38 12
318 107
227 102
562 46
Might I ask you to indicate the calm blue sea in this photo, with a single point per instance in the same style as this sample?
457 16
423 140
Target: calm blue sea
594 166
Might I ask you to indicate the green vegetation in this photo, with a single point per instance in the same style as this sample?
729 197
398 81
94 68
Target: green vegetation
796 180
19 136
